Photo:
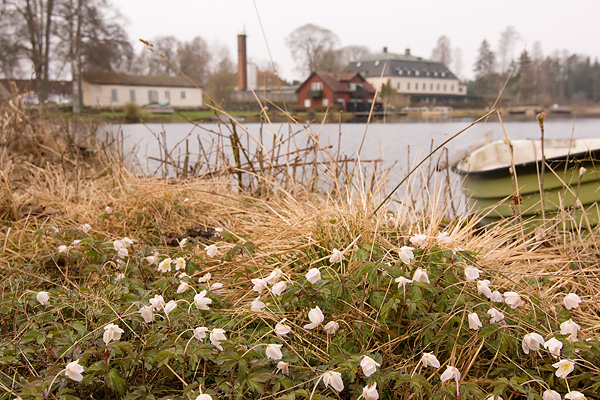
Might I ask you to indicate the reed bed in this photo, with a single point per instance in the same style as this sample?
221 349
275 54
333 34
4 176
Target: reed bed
69 201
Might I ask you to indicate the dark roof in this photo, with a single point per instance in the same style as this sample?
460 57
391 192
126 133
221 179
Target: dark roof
399 65
340 83
269 79
109 78
28 85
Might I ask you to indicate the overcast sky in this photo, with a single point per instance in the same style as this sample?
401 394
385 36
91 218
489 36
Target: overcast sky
416 24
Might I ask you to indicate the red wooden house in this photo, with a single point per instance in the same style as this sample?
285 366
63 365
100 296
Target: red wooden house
348 90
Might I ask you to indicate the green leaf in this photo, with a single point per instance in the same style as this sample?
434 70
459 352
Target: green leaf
29 336
114 381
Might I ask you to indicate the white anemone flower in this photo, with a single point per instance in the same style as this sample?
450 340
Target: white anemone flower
157 302
216 287
420 275
73 370
111 332
274 276
183 286
402 282
202 301
179 263
551 395
496 297
450 373
333 379
419 240
474 321
281 329
370 392
512 299
496 315
570 328
313 275
42 297
572 301
200 332
257 305
278 288
204 396
336 256
147 312
564 368
170 306
532 341
553 345
369 366
316 317
331 327
493 397
575 395
430 360
204 278
259 285
283 367
406 254
444 238
216 336
86 228
211 250
273 351
165 265
483 287
472 273
119 276
63 249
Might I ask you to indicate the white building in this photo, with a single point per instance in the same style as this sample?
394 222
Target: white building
108 90
425 81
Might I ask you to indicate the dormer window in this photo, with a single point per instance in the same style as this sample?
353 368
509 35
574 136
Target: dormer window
316 86
435 73
417 73
358 64
400 72
377 63
443 74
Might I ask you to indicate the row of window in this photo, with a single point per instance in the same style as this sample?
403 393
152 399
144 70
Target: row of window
152 95
423 87
416 72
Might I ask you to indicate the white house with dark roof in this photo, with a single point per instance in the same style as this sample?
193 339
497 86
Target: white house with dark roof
423 80
108 90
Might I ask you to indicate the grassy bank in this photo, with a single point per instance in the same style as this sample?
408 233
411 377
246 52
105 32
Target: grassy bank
259 283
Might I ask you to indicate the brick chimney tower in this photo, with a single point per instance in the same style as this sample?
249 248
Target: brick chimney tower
242 63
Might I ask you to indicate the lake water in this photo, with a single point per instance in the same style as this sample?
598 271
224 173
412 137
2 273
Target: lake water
399 145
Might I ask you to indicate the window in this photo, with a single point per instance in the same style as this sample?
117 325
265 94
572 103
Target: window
398 85
452 88
444 87
443 74
325 102
168 95
152 96
377 63
358 64
183 94
438 87
113 96
431 86
354 86
417 73
306 103
400 72
417 86
408 86
316 86
132 95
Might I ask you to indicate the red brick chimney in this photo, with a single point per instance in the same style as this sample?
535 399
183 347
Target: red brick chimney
242 63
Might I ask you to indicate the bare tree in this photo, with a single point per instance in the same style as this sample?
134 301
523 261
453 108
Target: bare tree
458 63
347 54
443 51
506 46
11 49
194 59
222 79
312 47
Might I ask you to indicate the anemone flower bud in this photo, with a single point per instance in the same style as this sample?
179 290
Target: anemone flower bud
211 250
274 276
472 273
204 396
430 360
551 395
283 367
370 392
450 373
86 228
333 379
62 248
575 395
147 313
420 275
483 287
183 286
204 278
313 275
474 321
564 368
73 370
111 332
202 301
571 301
331 327
42 297
216 336
444 238
170 306
512 299
369 366
278 288
316 317
257 305
200 332
259 285
570 328
496 297
419 240
157 302
532 341
273 351
406 255
402 282
336 256
281 329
